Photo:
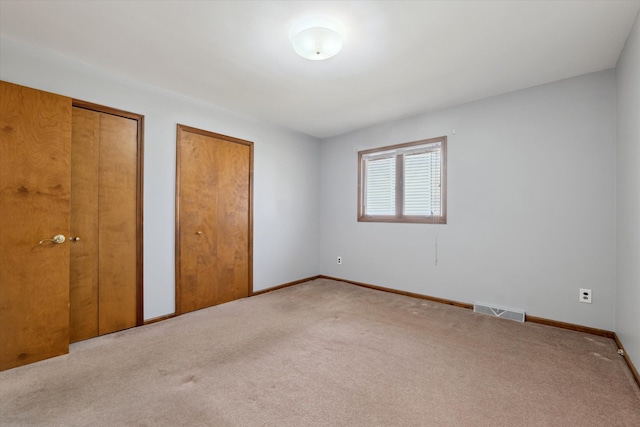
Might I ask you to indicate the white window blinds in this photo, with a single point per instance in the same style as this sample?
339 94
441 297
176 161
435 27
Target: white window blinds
380 197
422 183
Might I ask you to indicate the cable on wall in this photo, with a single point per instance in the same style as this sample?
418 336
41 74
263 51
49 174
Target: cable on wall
436 222
436 232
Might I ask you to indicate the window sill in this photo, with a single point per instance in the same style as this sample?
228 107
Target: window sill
404 219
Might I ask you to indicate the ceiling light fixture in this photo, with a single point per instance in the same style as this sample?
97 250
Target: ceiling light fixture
316 38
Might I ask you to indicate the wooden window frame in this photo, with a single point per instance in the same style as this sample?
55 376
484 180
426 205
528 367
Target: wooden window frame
399 217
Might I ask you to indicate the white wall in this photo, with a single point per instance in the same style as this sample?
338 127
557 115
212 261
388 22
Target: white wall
628 196
286 170
531 204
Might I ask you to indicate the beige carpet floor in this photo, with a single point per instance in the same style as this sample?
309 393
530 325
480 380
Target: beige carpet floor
326 353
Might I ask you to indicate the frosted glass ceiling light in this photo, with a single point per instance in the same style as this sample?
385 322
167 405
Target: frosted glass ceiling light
316 38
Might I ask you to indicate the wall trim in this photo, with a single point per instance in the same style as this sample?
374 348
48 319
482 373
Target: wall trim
159 319
409 294
284 285
570 326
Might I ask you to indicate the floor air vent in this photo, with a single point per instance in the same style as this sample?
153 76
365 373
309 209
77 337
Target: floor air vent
505 313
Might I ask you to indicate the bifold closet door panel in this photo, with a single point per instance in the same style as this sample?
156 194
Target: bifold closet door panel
233 222
198 218
35 181
83 283
117 223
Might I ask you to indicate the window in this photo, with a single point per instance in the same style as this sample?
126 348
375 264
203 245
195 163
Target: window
404 183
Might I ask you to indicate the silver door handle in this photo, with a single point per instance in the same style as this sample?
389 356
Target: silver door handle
57 239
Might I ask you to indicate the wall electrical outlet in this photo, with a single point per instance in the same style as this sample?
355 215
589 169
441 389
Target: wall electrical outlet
585 295
339 260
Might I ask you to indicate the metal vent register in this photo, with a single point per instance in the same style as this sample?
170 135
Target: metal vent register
505 313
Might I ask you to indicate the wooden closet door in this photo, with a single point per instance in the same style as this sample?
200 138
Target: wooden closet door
214 188
104 277
35 155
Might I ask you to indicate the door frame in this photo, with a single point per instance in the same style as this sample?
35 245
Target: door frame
139 118
183 128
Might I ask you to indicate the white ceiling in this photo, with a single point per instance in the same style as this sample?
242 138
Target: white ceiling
400 58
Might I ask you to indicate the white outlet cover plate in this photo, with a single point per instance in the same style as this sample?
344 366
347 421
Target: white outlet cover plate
585 295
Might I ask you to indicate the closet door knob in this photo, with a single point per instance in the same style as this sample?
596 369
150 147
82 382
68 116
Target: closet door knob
198 232
74 239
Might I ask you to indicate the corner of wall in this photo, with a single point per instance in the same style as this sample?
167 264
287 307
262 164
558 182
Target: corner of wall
627 315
